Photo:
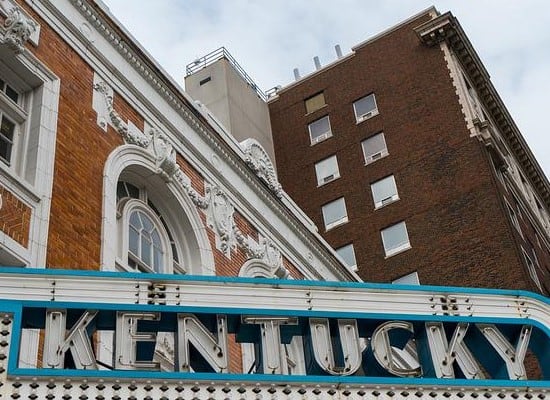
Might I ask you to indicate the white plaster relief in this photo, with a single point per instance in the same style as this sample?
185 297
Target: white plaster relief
108 115
215 203
18 27
219 217
165 155
258 160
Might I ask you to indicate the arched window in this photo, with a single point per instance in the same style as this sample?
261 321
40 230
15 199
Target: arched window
147 244
131 182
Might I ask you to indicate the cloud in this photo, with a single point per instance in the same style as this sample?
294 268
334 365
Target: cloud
270 38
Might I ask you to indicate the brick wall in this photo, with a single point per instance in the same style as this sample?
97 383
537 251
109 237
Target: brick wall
448 197
15 217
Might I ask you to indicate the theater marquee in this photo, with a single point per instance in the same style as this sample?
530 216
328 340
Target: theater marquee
361 339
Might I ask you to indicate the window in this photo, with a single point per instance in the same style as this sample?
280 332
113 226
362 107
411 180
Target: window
9 91
409 279
145 247
150 244
7 130
374 148
319 130
531 268
334 213
514 217
365 108
347 254
384 191
395 239
327 170
12 115
315 102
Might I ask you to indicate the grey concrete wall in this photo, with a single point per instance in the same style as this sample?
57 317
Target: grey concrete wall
233 102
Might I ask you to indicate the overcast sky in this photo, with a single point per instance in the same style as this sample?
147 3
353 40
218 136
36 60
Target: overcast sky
271 38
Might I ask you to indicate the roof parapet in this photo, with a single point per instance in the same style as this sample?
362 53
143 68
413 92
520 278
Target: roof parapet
446 28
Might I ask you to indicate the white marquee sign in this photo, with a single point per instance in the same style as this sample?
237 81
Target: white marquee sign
99 334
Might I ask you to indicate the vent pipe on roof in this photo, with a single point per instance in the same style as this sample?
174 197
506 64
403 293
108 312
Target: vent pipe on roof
338 51
317 63
296 74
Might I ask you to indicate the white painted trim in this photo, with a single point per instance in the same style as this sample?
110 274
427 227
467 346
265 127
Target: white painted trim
130 155
36 191
165 106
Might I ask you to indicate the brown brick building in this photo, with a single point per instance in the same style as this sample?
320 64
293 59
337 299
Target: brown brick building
406 158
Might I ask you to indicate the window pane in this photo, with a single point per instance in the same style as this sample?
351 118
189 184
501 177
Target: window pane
335 213
384 191
348 255
7 129
12 94
374 148
409 279
135 221
319 130
133 241
147 223
365 107
158 260
315 102
327 170
146 251
395 238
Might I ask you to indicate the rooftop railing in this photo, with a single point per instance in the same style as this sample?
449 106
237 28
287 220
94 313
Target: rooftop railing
219 54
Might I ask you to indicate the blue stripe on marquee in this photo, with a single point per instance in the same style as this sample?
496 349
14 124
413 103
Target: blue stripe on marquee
15 307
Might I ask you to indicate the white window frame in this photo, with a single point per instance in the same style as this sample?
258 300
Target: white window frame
342 220
532 268
127 206
368 115
401 247
369 159
29 173
324 136
354 266
16 114
388 200
408 279
323 180
513 217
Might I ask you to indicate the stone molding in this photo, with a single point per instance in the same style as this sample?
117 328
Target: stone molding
216 203
447 28
66 20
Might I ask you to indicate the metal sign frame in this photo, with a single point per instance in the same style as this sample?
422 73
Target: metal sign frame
58 289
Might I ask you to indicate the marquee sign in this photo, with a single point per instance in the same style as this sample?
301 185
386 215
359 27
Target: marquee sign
311 335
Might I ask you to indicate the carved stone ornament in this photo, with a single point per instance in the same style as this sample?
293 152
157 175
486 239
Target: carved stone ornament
252 249
131 136
219 217
165 155
271 254
258 160
17 27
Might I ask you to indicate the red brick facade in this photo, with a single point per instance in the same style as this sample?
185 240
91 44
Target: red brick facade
458 229
14 217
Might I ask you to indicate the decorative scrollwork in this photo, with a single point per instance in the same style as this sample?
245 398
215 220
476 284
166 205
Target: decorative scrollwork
18 29
258 160
165 155
131 136
220 218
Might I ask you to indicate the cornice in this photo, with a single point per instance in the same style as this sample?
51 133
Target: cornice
225 148
446 28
